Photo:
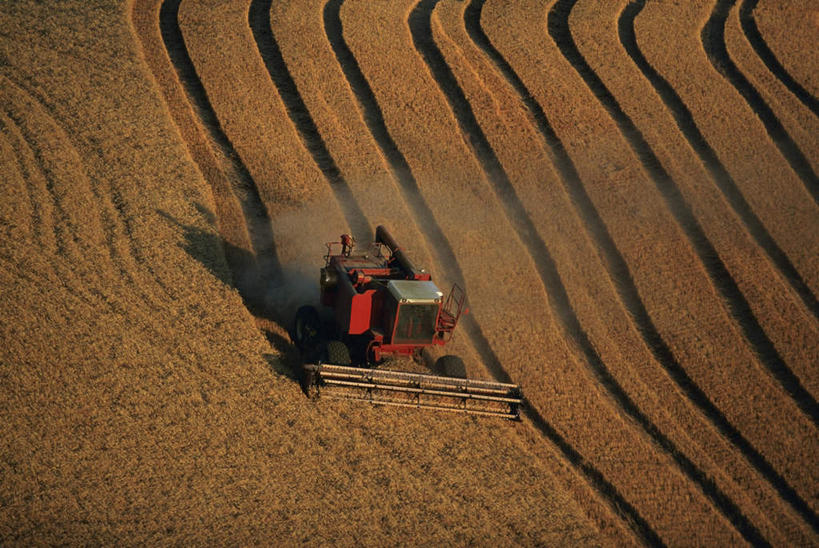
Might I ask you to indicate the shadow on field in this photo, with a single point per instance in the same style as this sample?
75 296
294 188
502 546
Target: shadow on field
267 296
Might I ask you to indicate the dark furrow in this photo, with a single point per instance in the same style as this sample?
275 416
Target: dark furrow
558 26
259 21
746 18
723 180
713 40
442 251
725 183
619 273
558 299
255 213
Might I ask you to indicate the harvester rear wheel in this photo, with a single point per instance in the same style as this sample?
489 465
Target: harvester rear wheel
337 353
306 328
451 366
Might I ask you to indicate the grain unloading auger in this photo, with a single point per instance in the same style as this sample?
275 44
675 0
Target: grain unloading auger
381 306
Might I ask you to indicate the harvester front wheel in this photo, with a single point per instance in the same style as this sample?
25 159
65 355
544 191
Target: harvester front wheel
451 366
306 328
337 353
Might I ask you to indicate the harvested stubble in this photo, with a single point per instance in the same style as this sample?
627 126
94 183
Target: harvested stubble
140 403
149 149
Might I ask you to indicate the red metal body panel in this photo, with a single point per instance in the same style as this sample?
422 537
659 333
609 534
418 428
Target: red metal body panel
354 286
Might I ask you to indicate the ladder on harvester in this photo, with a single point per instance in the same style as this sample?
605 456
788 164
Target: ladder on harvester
403 389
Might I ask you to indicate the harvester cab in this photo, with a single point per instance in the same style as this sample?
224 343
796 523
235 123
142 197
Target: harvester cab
377 304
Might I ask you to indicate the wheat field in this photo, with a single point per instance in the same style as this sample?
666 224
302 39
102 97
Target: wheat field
626 189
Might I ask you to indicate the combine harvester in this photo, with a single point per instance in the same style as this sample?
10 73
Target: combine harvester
378 305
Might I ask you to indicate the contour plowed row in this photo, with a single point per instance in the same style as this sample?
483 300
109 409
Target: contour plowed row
785 26
465 204
739 139
751 30
402 172
429 186
570 320
550 85
263 259
713 40
719 174
404 440
719 275
796 118
259 20
618 273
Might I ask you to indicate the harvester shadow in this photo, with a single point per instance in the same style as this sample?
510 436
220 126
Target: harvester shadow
243 274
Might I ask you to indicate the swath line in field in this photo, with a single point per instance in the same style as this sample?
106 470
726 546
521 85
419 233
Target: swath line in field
558 299
444 255
259 21
254 211
558 27
748 22
713 41
725 183
43 221
619 272
722 179
112 202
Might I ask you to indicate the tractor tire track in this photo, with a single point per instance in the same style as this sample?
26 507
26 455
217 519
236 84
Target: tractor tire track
79 232
558 27
419 21
444 254
722 179
256 217
259 21
620 274
713 41
749 27
112 216
43 225
728 187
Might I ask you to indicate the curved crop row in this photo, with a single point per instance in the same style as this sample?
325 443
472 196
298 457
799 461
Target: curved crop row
718 273
527 232
796 118
259 20
722 178
751 30
553 87
713 40
618 272
360 438
719 174
262 265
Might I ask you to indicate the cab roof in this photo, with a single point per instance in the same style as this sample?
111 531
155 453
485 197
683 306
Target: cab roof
415 291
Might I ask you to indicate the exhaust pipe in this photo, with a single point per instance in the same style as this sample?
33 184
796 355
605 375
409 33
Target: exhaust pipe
383 236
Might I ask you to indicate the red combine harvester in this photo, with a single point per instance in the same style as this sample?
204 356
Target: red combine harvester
376 305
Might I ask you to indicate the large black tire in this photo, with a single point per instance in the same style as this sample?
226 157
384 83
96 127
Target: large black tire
306 329
451 366
337 353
